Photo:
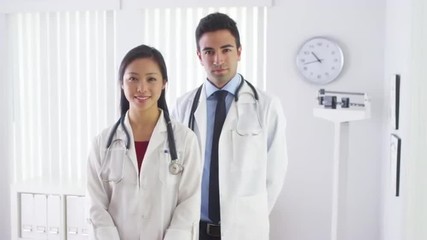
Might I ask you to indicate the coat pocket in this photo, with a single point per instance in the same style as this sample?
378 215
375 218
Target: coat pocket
251 219
168 173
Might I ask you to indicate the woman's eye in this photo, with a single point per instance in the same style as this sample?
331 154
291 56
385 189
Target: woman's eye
152 79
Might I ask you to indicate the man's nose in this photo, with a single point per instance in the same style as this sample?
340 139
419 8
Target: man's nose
218 59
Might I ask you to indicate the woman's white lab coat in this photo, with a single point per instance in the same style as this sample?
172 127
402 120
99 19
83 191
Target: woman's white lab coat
252 160
155 205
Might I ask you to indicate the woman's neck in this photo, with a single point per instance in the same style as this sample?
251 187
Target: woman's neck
143 123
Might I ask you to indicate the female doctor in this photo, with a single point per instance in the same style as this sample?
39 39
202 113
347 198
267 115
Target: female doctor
144 172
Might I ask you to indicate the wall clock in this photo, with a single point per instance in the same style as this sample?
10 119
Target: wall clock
320 60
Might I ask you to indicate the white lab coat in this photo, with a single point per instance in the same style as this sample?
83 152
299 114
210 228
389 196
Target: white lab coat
252 160
154 206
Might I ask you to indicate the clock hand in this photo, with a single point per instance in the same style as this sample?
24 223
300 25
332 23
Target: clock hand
320 60
317 58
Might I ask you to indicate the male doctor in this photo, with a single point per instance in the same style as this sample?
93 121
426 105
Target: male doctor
241 131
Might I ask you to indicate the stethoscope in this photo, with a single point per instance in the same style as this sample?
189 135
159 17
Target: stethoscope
236 98
174 167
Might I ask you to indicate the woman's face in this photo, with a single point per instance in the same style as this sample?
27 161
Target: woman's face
143 84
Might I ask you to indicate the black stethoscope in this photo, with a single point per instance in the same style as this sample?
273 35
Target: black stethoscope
236 98
174 167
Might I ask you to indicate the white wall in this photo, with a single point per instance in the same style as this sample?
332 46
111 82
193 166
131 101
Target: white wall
5 133
304 209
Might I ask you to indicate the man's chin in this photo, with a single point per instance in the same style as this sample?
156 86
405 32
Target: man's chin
220 80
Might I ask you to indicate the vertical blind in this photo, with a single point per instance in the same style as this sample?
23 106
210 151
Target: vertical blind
64 78
63 84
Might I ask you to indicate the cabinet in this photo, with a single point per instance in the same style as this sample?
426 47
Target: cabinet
40 216
48 213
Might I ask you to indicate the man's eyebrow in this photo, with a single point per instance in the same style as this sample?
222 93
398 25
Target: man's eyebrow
222 47
207 49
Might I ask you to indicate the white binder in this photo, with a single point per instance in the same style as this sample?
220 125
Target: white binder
40 216
27 215
54 217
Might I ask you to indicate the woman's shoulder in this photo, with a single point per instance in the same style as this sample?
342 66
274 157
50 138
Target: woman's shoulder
104 133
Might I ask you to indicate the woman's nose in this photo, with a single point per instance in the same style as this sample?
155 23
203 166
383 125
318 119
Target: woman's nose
142 86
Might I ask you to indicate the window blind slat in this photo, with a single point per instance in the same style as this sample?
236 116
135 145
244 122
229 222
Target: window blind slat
66 77
56 87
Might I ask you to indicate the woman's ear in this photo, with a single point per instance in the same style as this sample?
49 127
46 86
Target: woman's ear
164 83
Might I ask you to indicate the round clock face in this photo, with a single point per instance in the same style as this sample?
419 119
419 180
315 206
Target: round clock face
320 60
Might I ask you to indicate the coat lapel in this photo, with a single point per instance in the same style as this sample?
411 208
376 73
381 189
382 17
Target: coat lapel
131 151
157 138
200 119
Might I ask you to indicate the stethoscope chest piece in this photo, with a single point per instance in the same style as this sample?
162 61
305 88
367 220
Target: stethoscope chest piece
175 168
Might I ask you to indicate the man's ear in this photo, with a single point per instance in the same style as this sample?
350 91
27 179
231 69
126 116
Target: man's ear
239 52
199 55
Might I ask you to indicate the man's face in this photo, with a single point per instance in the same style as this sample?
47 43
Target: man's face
219 55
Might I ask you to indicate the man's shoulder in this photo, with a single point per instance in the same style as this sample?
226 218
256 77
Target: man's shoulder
188 95
181 131
182 106
265 97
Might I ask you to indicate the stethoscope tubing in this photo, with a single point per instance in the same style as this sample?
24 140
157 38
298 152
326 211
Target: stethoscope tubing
171 137
174 167
236 98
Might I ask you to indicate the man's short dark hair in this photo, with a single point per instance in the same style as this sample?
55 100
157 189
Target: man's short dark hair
214 22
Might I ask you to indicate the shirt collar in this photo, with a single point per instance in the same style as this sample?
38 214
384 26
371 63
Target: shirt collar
230 87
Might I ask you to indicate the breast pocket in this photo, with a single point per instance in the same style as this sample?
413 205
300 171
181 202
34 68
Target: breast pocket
248 139
167 175
248 122
249 151
113 165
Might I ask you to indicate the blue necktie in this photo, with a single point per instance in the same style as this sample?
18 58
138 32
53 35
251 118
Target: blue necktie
220 113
